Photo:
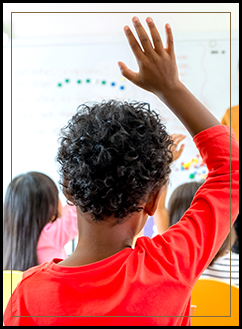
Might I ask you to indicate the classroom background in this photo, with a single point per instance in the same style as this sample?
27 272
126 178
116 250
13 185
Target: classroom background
65 55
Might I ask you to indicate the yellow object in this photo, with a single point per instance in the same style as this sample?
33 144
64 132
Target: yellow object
16 278
234 120
192 309
212 298
187 164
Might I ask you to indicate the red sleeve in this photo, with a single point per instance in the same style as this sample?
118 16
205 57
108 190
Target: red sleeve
190 245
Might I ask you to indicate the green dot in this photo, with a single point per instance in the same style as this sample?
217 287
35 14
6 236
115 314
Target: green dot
79 81
88 80
67 80
103 82
192 176
59 84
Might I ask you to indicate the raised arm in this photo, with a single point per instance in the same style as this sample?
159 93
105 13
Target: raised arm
199 234
158 74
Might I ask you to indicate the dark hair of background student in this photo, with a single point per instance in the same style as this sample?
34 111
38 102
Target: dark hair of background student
235 247
180 201
113 156
34 203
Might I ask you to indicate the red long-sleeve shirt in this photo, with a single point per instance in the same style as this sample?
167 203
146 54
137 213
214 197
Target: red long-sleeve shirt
152 283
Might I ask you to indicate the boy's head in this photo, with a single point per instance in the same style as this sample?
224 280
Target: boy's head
113 157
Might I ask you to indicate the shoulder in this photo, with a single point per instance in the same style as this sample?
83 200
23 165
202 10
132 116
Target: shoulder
35 269
145 242
223 262
151 246
226 258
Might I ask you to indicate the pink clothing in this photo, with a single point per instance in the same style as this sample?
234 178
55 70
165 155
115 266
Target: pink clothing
55 236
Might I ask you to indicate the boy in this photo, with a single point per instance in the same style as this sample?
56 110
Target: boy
114 162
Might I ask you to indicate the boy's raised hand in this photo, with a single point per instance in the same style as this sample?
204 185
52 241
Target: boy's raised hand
157 65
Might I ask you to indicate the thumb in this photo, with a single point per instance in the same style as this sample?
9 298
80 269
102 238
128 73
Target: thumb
129 74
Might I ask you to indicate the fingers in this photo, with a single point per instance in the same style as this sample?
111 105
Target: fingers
179 152
155 36
138 52
143 36
129 74
169 40
181 148
145 40
177 138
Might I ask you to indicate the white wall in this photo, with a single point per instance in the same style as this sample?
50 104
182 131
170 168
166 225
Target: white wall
27 24
32 20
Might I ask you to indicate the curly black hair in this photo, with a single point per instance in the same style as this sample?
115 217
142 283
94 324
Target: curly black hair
113 156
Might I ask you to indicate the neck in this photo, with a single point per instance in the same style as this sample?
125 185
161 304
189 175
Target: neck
99 240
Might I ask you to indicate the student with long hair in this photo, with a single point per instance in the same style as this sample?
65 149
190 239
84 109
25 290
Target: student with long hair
114 162
34 230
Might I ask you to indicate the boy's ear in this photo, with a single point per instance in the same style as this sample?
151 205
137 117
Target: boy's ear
151 206
65 184
68 197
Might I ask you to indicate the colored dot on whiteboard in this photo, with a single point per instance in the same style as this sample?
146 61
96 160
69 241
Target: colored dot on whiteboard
113 84
103 82
88 80
59 84
122 87
79 81
67 80
122 79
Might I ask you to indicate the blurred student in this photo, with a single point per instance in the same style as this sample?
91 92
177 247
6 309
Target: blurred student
231 118
219 268
114 163
34 230
235 247
179 203
234 119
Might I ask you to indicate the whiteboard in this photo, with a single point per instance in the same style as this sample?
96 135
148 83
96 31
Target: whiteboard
50 79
